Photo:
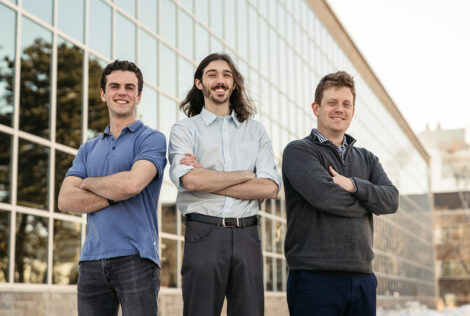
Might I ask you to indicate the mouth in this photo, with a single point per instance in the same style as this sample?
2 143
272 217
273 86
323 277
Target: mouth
121 101
338 119
220 89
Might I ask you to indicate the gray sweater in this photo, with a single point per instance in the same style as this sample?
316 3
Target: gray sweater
328 228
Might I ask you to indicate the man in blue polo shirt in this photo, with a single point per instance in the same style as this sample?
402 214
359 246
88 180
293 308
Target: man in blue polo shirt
116 179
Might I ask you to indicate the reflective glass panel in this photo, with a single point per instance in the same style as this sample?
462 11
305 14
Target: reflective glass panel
125 39
7 64
69 94
186 34
35 79
31 249
217 17
168 262
268 236
71 18
242 29
4 245
202 43
279 270
63 162
188 4
230 24
42 9
148 107
148 13
167 69
202 11
169 218
98 117
5 167
168 21
66 252
100 27
185 78
33 170
269 274
278 237
127 5
253 37
167 117
148 57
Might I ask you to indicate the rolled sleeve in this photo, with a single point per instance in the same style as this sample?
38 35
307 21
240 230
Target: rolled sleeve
78 168
180 144
265 165
153 149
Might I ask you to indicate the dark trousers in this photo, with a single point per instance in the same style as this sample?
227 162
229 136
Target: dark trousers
222 262
131 281
315 293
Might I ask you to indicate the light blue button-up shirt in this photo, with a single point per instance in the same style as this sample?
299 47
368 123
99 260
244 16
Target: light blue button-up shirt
220 143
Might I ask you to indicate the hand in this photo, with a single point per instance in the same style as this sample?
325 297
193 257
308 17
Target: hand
344 182
190 160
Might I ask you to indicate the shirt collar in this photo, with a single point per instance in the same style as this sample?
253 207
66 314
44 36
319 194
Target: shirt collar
323 139
132 128
209 117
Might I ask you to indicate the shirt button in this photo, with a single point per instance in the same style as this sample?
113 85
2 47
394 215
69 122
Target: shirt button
114 147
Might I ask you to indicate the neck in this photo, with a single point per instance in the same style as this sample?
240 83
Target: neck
217 109
335 138
116 124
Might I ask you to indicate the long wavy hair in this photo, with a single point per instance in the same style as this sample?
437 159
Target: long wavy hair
240 102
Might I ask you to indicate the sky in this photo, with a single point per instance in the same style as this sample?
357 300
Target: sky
420 51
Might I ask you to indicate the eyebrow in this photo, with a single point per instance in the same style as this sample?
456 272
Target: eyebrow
126 84
215 70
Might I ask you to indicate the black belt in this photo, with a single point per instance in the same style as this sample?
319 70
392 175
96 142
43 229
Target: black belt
224 221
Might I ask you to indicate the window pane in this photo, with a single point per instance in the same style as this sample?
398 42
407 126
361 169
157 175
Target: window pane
268 236
242 28
33 170
71 17
253 37
100 27
167 117
278 237
5 168
7 64
66 252
148 108
42 9
269 274
97 111
186 34
69 94
202 43
125 39
35 79
202 11
168 261
167 69
148 13
31 249
185 78
217 17
280 286
148 57
188 4
168 21
63 162
169 218
127 5
231 24
4 245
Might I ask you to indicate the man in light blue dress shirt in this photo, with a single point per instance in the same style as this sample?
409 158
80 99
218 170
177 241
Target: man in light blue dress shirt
222 164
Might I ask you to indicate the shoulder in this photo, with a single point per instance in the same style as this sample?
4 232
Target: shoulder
149 135
363 153
301 144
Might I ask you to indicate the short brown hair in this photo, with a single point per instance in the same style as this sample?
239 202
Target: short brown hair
337 79
122 65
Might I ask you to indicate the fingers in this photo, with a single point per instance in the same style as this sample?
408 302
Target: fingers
190 160
333 172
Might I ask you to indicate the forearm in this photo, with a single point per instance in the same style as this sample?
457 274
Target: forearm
115 187
206 180
252 189
380 199
74 199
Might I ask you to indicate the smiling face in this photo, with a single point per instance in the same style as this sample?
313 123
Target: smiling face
217 83
335 112
121 94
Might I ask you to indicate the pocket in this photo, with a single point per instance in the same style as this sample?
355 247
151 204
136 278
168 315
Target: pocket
197 233
253 233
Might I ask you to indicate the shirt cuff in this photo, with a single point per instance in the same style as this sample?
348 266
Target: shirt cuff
272 175
177 172
355 184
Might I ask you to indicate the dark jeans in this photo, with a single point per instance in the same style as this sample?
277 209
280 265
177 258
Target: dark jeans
316 293
222 262
131 281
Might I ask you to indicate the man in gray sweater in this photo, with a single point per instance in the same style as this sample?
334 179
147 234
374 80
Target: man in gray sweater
333 189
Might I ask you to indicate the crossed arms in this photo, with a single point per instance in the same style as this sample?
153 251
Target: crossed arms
92 194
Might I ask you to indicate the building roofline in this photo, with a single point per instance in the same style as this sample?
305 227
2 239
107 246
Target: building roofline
326 15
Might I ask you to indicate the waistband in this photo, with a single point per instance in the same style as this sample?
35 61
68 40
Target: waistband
241 222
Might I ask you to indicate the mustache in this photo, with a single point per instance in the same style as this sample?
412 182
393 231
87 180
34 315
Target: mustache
220 85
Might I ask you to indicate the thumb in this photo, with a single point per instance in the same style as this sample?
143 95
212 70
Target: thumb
333 172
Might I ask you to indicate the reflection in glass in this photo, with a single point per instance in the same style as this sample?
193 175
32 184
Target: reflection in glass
168 21
148 57
4 245
33 170
185 78
167 117
31 249
148 14
167 69
5 167
202 43
63 162
147 109
169 218
253 37
268 236
242 28
231 24
125 39
69 94
7 64
279 270
35 79
269 274
278 237
188 4
127 5
71 17
97 110
100 27
42 9
168 262
186 34
66 252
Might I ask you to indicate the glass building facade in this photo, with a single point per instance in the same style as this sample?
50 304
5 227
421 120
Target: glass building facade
51 56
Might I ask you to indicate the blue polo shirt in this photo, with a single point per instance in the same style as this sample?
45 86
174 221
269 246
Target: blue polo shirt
131 226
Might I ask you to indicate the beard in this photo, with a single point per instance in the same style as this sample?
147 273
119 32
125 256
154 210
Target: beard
214 98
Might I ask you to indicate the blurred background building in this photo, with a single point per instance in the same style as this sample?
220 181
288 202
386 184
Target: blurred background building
450 170
51 56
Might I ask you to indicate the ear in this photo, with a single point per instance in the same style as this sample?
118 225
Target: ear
137 101
198 84
315 107
102 95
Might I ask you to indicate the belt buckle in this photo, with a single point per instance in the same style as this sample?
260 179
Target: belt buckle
229 226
